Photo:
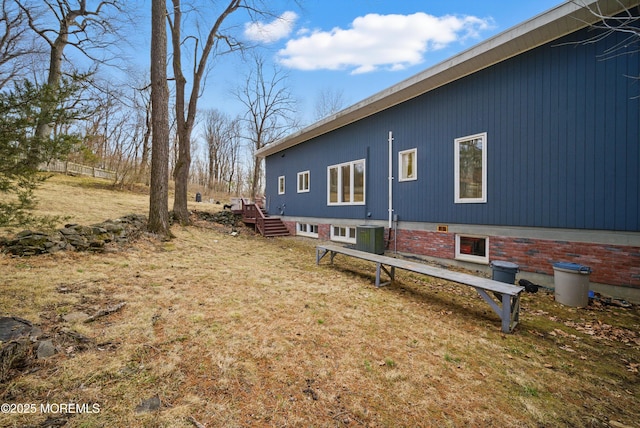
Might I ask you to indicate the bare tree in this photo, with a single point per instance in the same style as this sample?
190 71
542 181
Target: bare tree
231 173
159 191
328 101
186 108
89 30
222 138
15 43
270 111
140 107
625 22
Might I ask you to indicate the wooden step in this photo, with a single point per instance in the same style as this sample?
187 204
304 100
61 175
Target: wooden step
275 227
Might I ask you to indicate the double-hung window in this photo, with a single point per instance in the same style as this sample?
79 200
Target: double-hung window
471 169
346 183
303 181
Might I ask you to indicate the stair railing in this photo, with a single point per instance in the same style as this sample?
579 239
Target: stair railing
253 213
260 220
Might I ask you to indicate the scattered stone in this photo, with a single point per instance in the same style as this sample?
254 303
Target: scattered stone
149 405
15 354
75 316
106 311
78 337
13 328
46 349
17 337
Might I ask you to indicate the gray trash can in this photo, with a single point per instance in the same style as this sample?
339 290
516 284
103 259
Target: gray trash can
571 284
504 271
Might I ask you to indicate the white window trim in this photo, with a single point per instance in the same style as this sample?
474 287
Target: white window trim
470 258
352 188
456 157
415 166
345 239
308 174
306 233
281 188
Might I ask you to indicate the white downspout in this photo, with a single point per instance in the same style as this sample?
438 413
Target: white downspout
390 180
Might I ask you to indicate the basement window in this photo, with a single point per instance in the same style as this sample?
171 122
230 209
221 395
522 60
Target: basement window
307 229
343 234
472 248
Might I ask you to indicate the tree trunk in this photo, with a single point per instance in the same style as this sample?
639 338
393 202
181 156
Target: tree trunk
159 191
43 130
183 161
181 177
256 177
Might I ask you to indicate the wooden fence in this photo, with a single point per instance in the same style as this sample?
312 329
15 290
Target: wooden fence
76 168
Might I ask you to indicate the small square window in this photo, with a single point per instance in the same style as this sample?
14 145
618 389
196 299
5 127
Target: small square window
281 185
472 248
407 165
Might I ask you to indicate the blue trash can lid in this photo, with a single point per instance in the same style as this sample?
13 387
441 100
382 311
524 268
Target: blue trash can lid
504 265
572 266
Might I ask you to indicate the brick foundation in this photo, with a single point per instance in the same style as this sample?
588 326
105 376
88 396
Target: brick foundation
610 264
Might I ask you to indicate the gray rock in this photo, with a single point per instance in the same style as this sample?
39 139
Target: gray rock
75 316
149 405
13 328
45 349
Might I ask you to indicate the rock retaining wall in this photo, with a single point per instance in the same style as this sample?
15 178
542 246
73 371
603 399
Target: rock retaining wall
76 237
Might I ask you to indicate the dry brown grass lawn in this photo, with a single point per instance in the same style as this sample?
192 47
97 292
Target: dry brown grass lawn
247 331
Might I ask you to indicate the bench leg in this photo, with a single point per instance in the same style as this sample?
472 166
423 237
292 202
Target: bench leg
392 273
509 313
506 313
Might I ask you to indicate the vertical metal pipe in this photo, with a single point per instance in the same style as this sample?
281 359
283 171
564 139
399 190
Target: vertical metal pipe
390 180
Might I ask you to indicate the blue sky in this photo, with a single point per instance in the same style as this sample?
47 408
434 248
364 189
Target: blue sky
360 47
353 47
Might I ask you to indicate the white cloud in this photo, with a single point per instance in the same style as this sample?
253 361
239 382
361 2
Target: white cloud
270 32
375 41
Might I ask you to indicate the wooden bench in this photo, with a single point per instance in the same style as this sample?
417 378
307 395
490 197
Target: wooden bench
508 295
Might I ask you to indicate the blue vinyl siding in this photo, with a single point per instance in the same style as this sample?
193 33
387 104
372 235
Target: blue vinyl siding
563 141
